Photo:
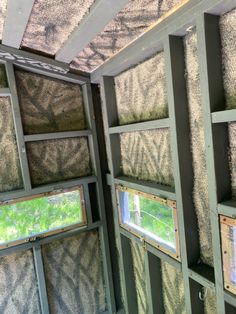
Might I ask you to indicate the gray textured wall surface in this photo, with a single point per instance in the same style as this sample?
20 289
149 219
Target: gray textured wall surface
58 160
228 38
197 142
139 276
18 287
134 87
10 173
173 290
49 105
74 275
146 155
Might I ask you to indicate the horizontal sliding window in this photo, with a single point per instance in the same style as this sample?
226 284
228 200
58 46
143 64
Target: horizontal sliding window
150 217
228 240
25 219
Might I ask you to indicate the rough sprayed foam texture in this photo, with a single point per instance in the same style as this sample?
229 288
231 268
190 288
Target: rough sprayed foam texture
146 155
141 91
51 23
197 141
18 285
139 276
58 160
49 105
74 275
3 8
129 23
228 38
173 289
210 302
232 157
10 178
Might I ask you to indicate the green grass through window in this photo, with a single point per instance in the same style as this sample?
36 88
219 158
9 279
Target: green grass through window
31 217
150 215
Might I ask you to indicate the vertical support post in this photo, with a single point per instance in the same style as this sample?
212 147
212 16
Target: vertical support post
18 127
38 262
154 283
93 145
209 51
182 159
126 265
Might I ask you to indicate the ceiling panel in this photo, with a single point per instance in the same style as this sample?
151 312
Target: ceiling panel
51 22
130 23
3 8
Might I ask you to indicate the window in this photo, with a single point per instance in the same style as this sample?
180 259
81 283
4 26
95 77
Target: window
228 239
24 219
150 217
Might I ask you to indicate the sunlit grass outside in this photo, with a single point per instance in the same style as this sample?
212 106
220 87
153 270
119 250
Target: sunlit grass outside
154 217
31 217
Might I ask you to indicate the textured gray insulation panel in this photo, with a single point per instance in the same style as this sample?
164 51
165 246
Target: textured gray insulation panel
147 81
139 276
10 172
74 275
197 142
173 290
58 160
18 285
146 155
49 105
228 38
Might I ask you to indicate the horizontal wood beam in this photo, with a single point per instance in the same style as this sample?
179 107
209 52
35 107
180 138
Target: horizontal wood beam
17 16
141 126
56 135
101 13
176 22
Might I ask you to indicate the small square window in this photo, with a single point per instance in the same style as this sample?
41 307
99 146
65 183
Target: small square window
150 217
228 243
41 215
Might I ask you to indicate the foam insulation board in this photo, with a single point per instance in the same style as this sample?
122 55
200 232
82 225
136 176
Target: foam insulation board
10 178
173 290
198 148
3 8
146 155
74 275
18 285
210 301
141 92
228 38
51 23
131 22
139 276
49 105
58 160
3 77
232 157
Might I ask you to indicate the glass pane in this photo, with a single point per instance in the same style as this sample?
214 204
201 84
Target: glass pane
149 215
35 216
228 238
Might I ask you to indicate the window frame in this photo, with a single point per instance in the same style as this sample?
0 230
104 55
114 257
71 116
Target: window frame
226 222
53 231
142 235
